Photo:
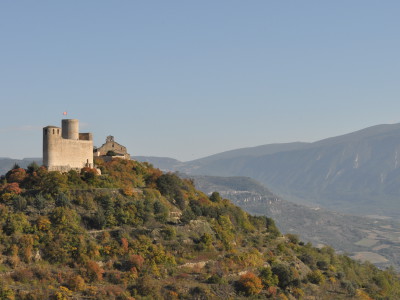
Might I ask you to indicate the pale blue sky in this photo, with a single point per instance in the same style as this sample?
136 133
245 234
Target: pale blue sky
186 79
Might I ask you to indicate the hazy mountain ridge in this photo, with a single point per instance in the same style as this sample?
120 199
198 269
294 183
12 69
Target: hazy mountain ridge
163 163
7 163
356 172
252 151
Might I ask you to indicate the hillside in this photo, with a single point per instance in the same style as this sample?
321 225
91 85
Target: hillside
136 233
367 238
355 173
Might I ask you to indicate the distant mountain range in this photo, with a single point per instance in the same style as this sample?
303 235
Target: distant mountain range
7 163
355 173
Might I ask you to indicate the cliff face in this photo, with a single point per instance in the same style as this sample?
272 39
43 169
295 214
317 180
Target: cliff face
136 232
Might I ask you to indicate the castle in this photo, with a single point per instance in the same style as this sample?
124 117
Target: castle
65 148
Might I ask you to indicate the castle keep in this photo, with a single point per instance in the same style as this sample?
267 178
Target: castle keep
65 148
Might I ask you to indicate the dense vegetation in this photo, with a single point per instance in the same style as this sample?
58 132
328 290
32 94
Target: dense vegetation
135 233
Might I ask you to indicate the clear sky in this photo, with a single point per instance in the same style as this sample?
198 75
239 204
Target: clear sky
187 79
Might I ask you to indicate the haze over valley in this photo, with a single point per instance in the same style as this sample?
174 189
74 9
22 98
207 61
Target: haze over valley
354 173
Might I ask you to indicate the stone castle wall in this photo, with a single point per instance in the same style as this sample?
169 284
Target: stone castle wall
64 154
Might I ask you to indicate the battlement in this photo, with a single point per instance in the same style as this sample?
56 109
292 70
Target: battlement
86 137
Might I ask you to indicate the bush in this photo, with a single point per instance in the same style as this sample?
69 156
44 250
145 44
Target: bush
6 293
62 200
146 286
198 293
322 265
293 238
308 259
39 202
316 277
215 279
168 233
349 287
76 283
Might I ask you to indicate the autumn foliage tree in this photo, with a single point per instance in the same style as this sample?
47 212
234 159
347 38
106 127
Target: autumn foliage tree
93 271
250 284
16 175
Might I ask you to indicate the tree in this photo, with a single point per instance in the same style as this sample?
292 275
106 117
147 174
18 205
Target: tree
136 261
250 284
16 175
19 203
316 277
43 223
215 197
53 183
271 227
89 175
16 223
206 240
74 178
39 202
284 274
76 283
33 167
6 293
170 186
12 189
93 271
267 277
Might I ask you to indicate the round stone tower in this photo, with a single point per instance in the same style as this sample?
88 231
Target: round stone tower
70 129
51 142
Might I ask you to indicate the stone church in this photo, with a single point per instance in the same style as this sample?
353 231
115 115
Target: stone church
112 148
